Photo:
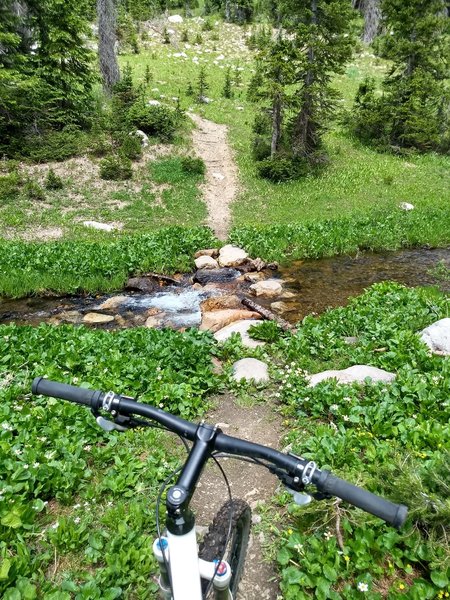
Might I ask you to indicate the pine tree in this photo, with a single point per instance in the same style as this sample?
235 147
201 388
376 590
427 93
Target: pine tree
227 86
414 108
324 44
202 85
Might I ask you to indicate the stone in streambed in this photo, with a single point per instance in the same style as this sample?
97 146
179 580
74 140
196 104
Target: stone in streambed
212 252
97 318
270 288
356 373
205 276
217 319
232 256
112 303
206 262
250 369
437 337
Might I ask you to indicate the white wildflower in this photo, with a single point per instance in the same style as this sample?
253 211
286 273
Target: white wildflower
363 587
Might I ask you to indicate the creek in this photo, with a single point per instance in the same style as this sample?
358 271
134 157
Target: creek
310 286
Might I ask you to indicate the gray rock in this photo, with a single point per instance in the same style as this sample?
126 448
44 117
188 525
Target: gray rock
205 276
241 327
357 373
437 337
100 226
142 136
250 369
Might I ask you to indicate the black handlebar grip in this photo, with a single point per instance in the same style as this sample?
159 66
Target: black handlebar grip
395 514
55 389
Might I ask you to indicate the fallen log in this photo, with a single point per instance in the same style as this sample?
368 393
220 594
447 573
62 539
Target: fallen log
267 314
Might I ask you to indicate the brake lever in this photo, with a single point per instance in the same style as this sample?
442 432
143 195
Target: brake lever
108 425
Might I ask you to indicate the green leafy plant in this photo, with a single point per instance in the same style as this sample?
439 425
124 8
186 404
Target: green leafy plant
155 120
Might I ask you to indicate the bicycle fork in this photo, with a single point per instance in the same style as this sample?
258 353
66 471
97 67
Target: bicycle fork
220 575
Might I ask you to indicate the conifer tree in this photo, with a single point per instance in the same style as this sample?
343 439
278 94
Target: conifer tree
414 108
324 44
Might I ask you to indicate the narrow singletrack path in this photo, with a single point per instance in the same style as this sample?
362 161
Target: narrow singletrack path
211 145
261 424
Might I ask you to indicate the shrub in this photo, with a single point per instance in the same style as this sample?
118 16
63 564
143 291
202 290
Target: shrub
10 187
158 121
277 169
116 168
54 145
33 190
184 36
207 25
101 146
53 181
194 166
261 148
131 147
198 39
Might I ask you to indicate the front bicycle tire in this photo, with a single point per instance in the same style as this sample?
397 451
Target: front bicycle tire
212 546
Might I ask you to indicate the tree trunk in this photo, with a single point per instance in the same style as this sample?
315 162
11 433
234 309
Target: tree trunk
107 17
227 11
276 123
372 15
305 138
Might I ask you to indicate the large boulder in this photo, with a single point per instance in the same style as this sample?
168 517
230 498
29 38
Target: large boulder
270 288
232 256
206 262
240 327
250 369
217 319
357 373
437 337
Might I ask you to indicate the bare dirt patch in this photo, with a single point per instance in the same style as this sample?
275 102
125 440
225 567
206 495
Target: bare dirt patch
36 234
261 424
211 145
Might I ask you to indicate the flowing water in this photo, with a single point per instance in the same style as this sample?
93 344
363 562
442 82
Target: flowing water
312 286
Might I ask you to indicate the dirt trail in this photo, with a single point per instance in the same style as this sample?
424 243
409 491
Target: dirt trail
211 144
261 424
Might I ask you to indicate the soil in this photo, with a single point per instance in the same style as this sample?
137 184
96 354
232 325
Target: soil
211 145
260 424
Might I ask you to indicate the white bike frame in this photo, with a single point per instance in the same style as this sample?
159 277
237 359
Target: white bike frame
186 569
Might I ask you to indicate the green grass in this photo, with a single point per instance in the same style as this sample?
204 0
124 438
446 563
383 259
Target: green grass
358 179
161 194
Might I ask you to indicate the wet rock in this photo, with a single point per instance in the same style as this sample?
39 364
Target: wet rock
437 337
69 316
357 373
217 319
232 256
206 262
254 277
283 307
270 288
152 322
240 327
97 318
250 369
145 285
113 302
288 295
205 276
221 303
212 252
121 322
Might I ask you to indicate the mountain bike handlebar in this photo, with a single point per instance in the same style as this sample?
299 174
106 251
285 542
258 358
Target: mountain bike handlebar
299 472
